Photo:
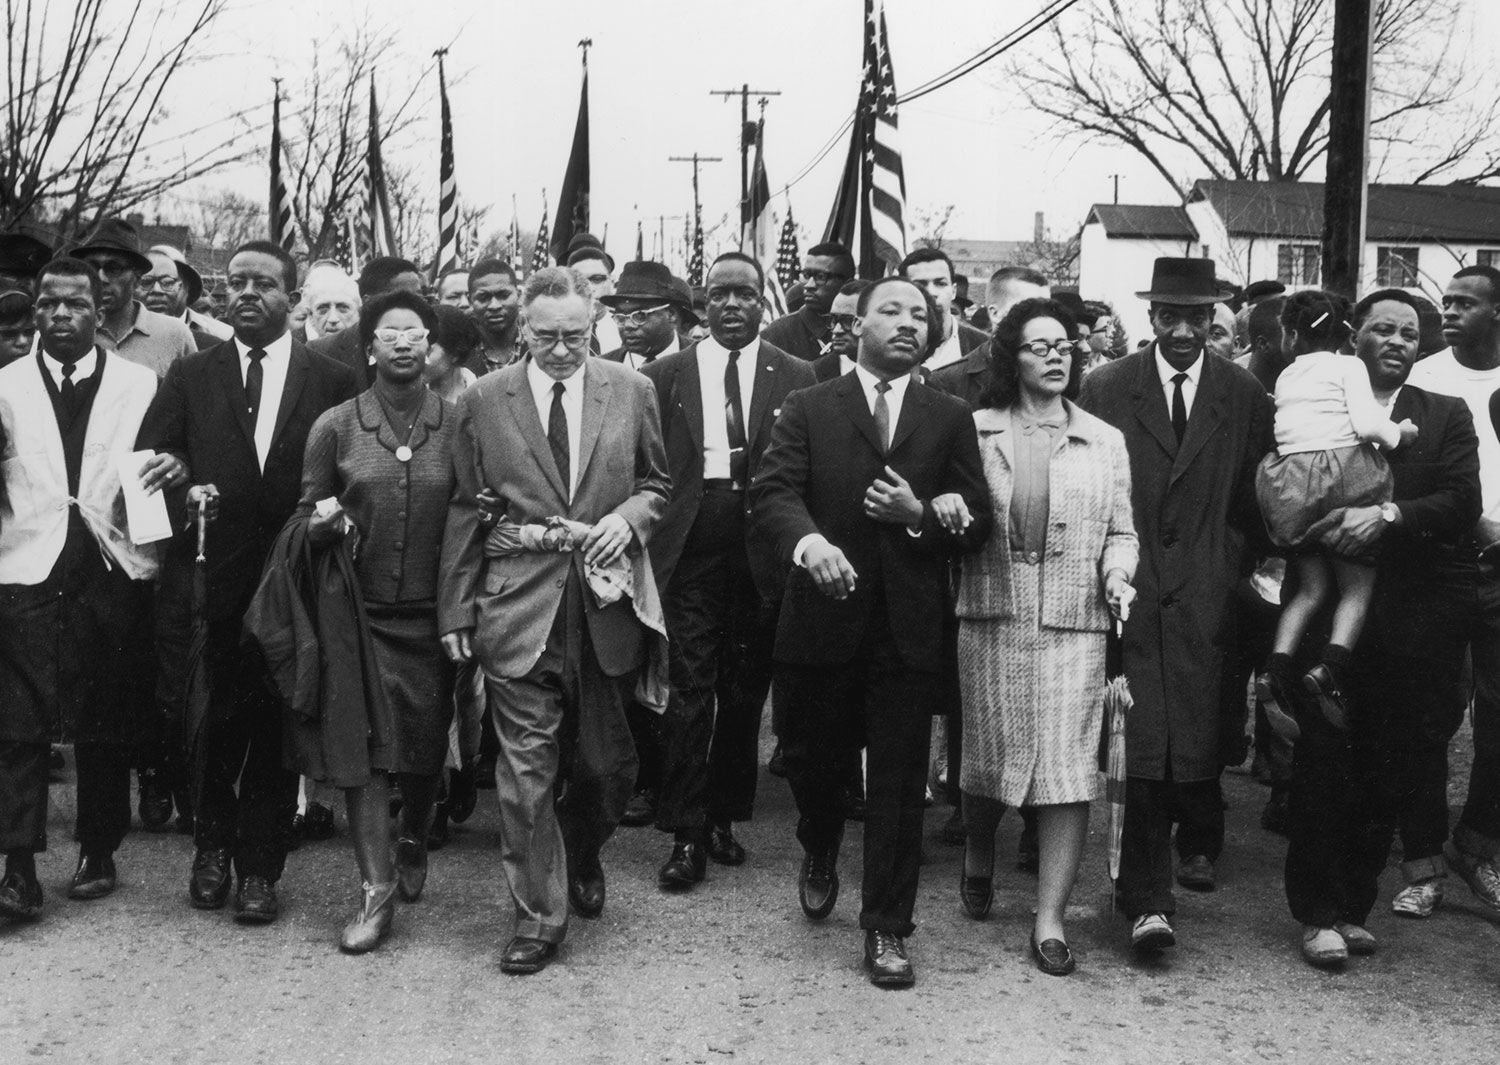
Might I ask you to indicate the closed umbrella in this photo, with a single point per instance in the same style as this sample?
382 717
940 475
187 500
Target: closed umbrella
1117 704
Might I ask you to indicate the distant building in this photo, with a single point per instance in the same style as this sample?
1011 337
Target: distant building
1417 236
978 259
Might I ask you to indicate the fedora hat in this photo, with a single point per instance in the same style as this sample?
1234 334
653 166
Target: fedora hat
191 278
644 280
587 246
1185 282
22 255
117 235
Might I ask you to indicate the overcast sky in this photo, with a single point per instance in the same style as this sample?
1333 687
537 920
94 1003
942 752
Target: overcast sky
513 70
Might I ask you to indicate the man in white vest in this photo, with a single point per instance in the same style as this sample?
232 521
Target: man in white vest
75 591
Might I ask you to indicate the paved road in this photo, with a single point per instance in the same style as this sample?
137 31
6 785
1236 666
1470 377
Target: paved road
730 973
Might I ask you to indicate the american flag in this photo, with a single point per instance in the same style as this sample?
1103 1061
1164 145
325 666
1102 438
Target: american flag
382 236
283 231
695 259
539 257
447 256
884 178
513 238
788 258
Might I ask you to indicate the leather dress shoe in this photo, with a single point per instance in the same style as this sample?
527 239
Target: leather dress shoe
886 960
1196 873
524 955
411 868
256 901
1151 932
208 888
586 893
723 847
684 868
377 909
94 878
818 884
1281 713
640 810
1052 956
1320 684
20 897
154 804
977 893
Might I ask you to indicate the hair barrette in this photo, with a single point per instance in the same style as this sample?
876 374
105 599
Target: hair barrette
1319 320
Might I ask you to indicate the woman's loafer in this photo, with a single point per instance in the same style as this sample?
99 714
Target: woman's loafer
1052 956
977 893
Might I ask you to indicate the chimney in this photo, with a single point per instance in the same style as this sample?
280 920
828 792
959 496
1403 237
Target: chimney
1041 229
136 219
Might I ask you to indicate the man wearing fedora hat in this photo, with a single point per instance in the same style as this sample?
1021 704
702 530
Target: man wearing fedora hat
171 287
647 304
1194 427
128 326
21 256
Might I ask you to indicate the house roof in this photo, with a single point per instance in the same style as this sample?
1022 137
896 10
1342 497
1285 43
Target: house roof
1468 214
1145 221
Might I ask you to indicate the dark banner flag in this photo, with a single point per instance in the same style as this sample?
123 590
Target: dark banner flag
447 256
283 231
573 204
382 235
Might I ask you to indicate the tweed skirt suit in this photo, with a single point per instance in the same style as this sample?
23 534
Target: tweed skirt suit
1032 614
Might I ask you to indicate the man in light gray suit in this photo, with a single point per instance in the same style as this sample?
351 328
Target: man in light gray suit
557 436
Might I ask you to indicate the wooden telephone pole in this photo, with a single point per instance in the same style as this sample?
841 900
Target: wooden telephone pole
1345 191
744 92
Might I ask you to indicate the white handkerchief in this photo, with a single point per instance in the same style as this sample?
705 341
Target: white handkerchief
145 515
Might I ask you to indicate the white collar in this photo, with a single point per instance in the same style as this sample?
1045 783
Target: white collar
1166 371
868 381
541 382
82 369
280 348
709 346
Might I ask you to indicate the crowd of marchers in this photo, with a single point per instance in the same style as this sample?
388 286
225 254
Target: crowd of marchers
567 535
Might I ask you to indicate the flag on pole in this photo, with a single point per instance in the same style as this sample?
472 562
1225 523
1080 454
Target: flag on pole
695 257
573 203
870 204
283 231
513 253
788 257
539 258
759 231
382 236
447 256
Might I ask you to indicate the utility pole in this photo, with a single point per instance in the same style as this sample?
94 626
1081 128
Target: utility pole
696 160
744 92
1344 188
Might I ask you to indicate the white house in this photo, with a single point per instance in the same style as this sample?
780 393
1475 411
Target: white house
1417 236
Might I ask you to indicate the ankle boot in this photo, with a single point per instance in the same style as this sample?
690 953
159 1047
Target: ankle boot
377 910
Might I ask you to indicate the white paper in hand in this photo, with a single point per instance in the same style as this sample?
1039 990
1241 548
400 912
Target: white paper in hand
145 515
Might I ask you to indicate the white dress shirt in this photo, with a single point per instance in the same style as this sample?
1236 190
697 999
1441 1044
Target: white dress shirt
272 383
1166 371
713 360
949 351
572 402
83 369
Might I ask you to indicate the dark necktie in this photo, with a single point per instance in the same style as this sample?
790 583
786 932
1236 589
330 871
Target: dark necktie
255 375
557 437
882 416
1179 408
69 390
734 421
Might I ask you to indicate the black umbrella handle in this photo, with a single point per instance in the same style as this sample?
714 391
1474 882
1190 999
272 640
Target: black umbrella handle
202 527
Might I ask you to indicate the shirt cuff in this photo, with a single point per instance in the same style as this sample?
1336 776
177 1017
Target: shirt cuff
803 544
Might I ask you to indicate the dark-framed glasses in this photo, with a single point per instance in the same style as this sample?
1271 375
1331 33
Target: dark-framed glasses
414 335
574 342
640 314
1041 348
161 281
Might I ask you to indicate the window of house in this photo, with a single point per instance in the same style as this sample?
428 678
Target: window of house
1298 264
1396 267
1488 257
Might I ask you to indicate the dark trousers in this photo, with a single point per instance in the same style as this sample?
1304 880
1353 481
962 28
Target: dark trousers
103 796
1478 829
645 730
874 700
720 657
563 721
1151 807
242 736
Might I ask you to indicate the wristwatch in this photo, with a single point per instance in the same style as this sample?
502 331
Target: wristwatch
1389 513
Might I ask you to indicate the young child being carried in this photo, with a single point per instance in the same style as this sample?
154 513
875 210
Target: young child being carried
1327 425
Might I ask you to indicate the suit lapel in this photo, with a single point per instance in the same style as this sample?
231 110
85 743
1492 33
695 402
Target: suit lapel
227 368
913 408
596 395
760 396
291 390
523 410
1207 417
1151 404
852 399
690 400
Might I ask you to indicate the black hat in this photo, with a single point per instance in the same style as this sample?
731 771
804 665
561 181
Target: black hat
1186 282
687 297
587 246
190 277
645 280
22 255
14 301
115 234
1256 291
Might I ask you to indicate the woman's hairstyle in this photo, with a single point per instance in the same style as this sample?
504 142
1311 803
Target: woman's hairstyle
457 333
369 318
1321 319
1005 366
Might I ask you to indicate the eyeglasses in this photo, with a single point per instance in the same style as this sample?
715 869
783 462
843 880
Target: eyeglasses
166 284
392 336
574 342
1040 348
110 267
822 277
639 316
841 321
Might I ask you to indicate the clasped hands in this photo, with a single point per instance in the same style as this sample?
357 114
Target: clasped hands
605 541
